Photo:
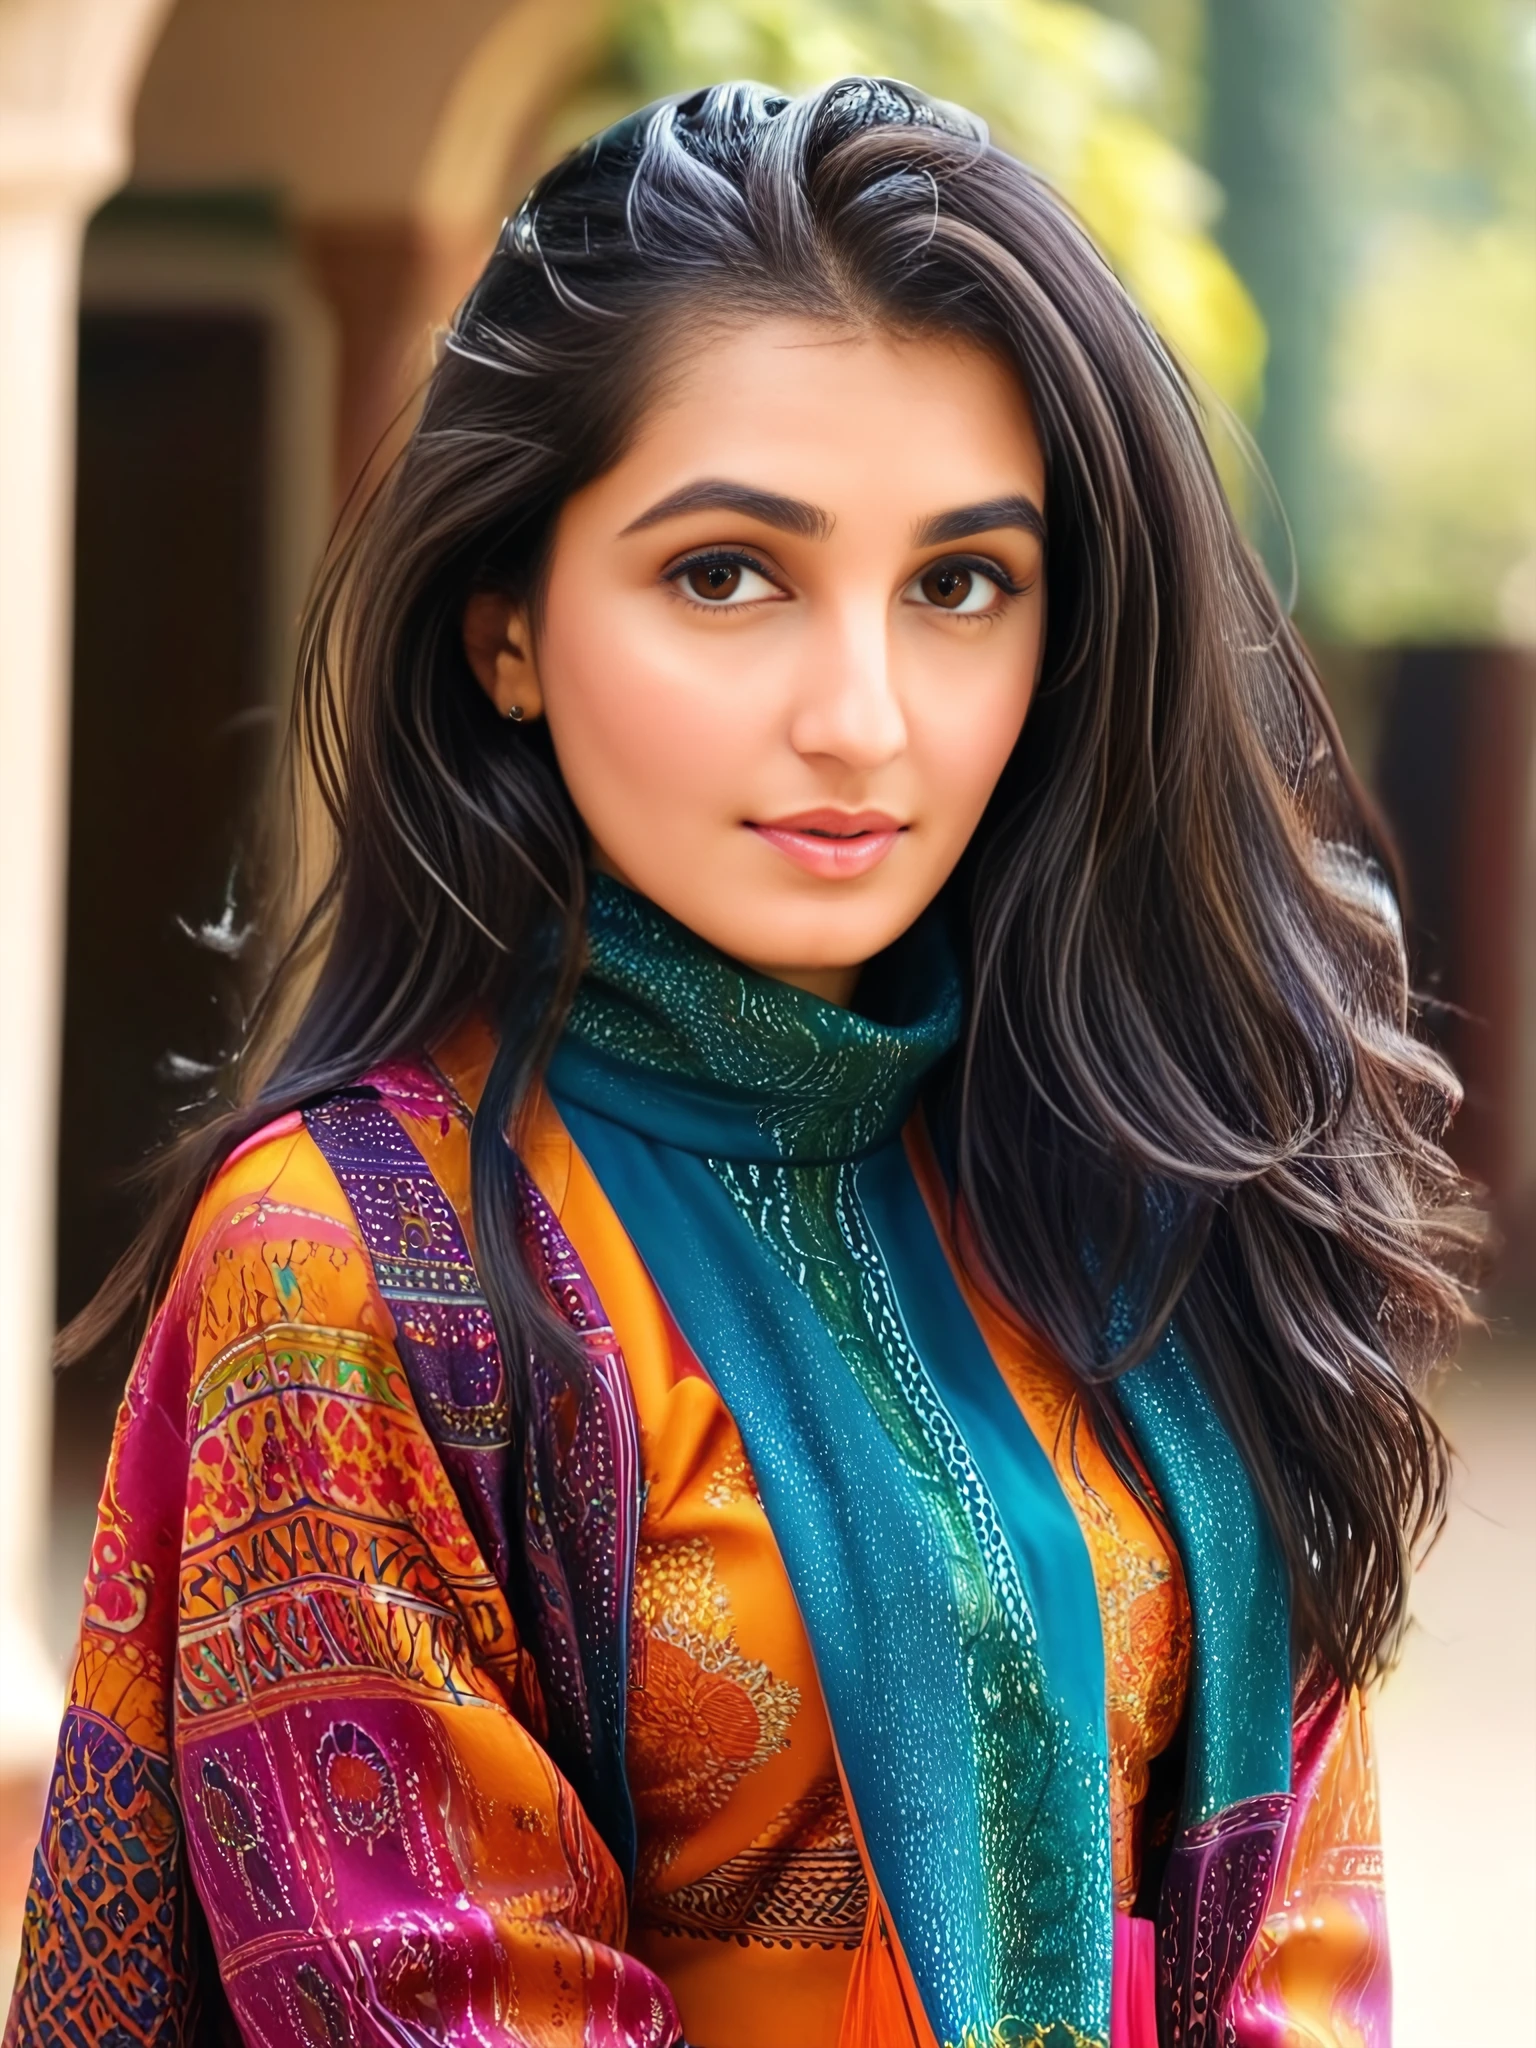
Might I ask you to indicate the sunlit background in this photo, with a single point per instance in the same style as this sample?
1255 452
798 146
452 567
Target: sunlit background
229 233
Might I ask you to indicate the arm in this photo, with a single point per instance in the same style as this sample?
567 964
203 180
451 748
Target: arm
382 1850
110 1947
1319 1975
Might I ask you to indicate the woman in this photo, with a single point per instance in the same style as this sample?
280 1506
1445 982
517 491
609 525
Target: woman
788 1415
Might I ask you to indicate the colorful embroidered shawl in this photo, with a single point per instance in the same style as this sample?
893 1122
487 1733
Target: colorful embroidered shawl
322 1746
347 1686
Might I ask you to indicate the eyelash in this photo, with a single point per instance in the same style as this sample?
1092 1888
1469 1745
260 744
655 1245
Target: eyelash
979 565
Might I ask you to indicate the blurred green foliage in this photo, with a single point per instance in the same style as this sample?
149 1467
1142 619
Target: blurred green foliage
1433 419
1063 86
1177 32
1441 96
1426 439
1433 536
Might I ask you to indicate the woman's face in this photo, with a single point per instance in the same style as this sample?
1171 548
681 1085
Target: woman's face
788 641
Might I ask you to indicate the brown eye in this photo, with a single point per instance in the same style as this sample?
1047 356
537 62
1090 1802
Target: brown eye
962 587
723 582
947 585
713 580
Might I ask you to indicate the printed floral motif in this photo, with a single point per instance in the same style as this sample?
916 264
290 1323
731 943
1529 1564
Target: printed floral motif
117 1584
731 1480
318 2009
701 1715
231 1812
357 1782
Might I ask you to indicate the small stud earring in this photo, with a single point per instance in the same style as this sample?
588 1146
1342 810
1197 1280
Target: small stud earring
515 713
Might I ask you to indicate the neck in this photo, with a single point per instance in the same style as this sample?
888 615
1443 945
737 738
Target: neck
833 985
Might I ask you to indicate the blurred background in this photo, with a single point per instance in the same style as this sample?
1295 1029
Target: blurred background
230 231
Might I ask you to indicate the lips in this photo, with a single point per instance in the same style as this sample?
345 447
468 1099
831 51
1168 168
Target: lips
835 845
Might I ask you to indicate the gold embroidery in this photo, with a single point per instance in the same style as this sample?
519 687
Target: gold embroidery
731 1480
800 1881
701 1715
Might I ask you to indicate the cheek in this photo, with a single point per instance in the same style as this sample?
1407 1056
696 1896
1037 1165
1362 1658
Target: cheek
960 744
650 741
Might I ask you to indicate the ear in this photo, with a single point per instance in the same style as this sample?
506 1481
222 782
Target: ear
499 648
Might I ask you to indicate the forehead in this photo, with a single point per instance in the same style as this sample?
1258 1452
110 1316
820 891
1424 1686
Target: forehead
820 409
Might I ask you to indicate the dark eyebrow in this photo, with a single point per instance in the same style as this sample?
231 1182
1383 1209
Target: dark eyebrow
983 518
717 494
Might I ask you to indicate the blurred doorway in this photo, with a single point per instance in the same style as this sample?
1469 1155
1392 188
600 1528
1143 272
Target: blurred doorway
169 741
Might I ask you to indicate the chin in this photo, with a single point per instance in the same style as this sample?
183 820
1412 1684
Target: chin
776 936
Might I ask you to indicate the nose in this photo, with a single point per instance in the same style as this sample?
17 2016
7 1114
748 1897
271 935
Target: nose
848 709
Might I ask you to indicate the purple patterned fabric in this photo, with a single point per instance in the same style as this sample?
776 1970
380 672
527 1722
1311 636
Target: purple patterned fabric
569 1578
582 1519
1215 1894
443 1328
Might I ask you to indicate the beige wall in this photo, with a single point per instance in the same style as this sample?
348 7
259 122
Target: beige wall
333 102
360 109
393 131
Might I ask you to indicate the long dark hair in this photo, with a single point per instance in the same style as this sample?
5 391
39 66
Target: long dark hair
1189 1043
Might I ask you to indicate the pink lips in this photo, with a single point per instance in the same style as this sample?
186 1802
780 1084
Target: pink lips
837 845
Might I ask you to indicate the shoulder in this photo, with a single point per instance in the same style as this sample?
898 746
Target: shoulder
273 1244
271 1262
275 1238
276 1184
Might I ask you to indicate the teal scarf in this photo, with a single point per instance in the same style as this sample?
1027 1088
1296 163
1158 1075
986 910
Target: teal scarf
748 1136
